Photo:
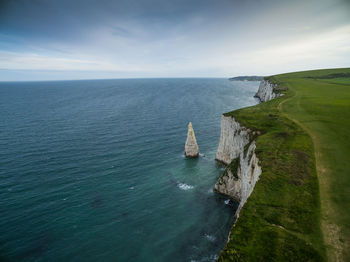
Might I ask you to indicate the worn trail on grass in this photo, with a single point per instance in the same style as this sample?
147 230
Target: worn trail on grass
334 231
330 230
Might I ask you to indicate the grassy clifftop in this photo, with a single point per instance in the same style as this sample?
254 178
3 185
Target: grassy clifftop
304 141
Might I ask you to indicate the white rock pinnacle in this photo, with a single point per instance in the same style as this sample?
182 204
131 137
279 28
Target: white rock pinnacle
191 147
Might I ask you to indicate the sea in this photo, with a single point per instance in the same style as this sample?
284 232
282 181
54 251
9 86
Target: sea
94 170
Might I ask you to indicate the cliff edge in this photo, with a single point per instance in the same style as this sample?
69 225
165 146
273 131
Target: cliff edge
270 171
237 151
266 91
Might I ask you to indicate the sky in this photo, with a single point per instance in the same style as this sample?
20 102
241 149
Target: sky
92 39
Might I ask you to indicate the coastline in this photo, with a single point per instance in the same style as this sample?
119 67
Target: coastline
265 212
236 151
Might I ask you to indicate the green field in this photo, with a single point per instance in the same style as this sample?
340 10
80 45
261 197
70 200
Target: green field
300 208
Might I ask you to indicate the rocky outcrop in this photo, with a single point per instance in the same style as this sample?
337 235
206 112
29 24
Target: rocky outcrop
233 138
191 146
237 151
266 91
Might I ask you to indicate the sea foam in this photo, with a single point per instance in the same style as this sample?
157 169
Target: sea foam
210 237
184 186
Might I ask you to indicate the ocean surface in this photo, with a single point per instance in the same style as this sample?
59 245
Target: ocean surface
95 170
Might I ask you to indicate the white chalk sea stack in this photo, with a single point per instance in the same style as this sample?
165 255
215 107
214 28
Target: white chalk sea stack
191 146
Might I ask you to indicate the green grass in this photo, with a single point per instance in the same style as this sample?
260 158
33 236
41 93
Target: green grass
321 105
309 125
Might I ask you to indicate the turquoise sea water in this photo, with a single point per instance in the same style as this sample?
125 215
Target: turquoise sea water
94 170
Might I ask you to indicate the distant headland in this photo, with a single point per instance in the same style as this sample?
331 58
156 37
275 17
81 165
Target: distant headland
246 78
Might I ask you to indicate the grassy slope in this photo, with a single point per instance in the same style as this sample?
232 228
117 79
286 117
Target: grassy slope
281 220
322 106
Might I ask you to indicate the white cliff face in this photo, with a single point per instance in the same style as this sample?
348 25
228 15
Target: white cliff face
237 151
191 146
249 172
230 183
233 138
265 92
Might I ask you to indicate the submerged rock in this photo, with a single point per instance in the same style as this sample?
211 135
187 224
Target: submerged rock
191 147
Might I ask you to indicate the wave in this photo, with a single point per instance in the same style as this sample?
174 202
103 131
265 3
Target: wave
210 237
184 186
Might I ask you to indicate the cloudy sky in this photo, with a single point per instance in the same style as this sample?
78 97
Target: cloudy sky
84 39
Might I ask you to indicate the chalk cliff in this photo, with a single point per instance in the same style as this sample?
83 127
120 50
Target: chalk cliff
237 151
266 91
191 146
233 138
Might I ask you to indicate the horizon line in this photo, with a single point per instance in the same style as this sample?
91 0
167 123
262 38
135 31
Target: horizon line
122 78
